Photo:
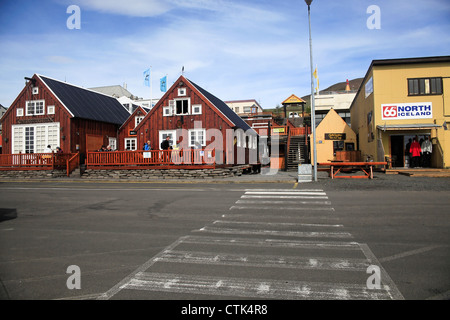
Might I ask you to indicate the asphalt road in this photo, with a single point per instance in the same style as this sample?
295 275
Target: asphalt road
223 241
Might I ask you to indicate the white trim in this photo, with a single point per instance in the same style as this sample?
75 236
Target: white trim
130 139
196 137
137 120
54 142
51 109
196 106
188 107
161 138
34 102
168 113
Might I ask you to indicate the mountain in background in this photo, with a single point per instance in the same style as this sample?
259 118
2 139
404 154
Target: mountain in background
354 86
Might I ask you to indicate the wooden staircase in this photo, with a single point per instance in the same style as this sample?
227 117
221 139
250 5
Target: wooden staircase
296 153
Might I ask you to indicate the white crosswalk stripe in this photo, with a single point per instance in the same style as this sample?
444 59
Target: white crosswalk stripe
298 241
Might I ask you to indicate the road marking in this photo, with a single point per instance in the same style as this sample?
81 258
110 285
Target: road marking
282 202
408 253
277 224
264 261
266 232
277 243
283 190
253 288
281 197
114 290
282 208
299 192
385 278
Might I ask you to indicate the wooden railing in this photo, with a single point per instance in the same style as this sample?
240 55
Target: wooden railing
196 158
284 130
34 161
72 163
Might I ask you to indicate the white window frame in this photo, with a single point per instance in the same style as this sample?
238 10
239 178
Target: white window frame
188 107
199 106
196 132
130 141
34 102
167 111
35 90
182 92
112 143
162 137
50 109
137 120
51 134
19 112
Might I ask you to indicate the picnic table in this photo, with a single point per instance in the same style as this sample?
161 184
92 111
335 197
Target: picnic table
336 167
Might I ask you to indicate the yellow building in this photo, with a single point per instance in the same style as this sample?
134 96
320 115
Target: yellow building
332 136
401 99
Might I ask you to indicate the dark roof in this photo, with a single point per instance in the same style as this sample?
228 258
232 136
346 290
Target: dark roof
87 104
222 106
436 59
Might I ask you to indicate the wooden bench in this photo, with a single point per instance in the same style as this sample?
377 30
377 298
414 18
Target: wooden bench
365 167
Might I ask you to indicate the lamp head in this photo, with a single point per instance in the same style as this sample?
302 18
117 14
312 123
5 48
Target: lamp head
308 2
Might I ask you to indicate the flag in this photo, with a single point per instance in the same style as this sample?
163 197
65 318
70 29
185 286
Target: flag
147 78
163 84
317 80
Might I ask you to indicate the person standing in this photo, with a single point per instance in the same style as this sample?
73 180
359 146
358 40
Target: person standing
165 145
415 151
427 149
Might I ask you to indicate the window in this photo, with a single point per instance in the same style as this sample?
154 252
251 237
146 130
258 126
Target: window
29 139
51 110
182 106
196 109
168 133
35 107
35 138
181 92
130 144
19 112
112 143
137 120
197 136
424 86
247 109
167 111
236 109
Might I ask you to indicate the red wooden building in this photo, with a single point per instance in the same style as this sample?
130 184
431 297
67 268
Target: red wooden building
52 112
194 118
127 132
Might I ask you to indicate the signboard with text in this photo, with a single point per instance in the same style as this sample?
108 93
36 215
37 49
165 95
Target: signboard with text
404 111
335 136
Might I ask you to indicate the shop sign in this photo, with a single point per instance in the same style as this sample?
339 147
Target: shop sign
404 111
335 136
133 133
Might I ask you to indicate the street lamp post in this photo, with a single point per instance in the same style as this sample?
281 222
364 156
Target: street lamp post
313 107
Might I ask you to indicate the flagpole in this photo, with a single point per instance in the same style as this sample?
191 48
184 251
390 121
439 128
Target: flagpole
151 89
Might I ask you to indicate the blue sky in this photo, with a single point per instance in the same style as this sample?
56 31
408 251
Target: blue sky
236 49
